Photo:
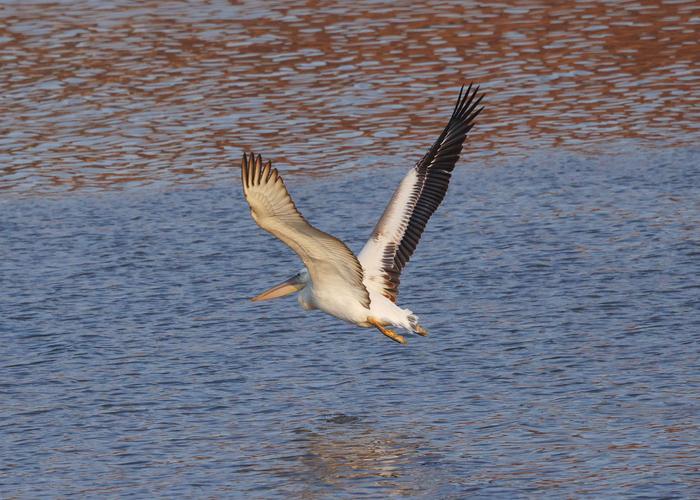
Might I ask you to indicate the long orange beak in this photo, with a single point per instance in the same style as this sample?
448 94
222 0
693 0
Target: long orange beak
293 284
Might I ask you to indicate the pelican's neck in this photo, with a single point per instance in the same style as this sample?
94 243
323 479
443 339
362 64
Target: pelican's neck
306 294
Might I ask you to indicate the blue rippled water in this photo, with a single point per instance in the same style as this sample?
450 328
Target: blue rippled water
561 293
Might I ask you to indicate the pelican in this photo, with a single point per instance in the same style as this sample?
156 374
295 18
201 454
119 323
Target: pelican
360 289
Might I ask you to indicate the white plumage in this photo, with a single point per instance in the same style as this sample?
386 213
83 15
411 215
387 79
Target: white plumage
363 289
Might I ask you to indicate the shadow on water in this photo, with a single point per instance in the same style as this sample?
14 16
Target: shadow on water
351 453
355 457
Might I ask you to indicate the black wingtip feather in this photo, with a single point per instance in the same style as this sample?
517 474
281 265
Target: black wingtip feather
244 164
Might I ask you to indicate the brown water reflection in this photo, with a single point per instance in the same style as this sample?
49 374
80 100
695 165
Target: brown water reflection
114 94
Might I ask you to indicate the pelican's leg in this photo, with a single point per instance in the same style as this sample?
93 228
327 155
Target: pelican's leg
421 331
392 335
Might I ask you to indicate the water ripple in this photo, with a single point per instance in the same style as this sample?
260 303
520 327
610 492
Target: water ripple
115 95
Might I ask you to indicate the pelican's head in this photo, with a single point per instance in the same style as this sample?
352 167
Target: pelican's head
293 284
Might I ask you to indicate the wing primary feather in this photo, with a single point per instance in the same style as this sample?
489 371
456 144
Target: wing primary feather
268 171
261 168
255 179
459 100
244 167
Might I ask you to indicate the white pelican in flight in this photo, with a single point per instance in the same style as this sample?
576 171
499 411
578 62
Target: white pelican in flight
360 289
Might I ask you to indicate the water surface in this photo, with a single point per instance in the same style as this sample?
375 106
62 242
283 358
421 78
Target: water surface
562 298
559 280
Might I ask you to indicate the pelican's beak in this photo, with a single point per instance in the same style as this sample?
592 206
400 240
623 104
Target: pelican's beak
293 284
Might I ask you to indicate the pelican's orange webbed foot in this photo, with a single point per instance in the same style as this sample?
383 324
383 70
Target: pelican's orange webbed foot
389 333
421 331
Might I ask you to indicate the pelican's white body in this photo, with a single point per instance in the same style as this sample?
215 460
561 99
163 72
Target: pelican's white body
334 301
338 302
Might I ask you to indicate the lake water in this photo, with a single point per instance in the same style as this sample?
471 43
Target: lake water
559 280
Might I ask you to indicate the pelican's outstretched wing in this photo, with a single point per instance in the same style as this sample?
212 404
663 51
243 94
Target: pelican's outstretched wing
397 233
329 261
